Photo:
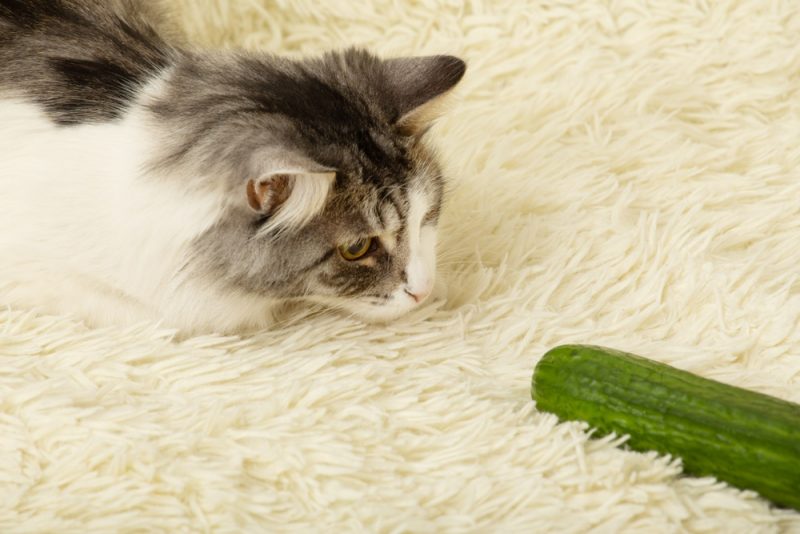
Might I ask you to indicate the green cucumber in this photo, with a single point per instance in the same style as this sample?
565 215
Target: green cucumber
750 440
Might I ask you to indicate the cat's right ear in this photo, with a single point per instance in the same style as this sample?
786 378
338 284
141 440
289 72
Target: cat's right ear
289 192
418 85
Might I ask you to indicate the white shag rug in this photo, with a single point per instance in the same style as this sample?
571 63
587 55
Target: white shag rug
624 173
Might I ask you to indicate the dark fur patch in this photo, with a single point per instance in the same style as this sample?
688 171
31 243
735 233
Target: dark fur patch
82 60
29 14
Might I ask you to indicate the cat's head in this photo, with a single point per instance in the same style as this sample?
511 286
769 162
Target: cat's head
332 195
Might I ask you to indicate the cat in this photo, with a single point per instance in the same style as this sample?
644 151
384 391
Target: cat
144 180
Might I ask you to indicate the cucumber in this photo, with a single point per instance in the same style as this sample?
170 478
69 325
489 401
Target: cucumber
750 440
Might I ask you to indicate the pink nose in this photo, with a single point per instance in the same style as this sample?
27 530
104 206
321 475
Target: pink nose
418 297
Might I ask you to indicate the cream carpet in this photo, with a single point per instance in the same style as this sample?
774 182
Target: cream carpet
624 173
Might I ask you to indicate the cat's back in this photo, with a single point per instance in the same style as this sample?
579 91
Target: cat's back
79 60
72 73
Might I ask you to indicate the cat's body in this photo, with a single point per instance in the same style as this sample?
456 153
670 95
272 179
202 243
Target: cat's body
140 181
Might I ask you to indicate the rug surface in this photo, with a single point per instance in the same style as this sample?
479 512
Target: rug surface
623 172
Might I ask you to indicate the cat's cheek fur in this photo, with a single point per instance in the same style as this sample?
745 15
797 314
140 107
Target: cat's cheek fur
396 306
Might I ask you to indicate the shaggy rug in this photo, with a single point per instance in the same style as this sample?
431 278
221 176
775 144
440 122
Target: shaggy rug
622 173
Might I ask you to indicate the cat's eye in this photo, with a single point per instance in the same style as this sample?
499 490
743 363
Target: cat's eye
359 249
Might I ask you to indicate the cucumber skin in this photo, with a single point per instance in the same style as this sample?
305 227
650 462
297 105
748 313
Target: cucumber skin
748 439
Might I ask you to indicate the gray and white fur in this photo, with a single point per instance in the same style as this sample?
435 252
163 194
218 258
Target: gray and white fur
142 180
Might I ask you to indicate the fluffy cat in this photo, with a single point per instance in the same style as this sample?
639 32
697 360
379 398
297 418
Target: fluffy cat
141 180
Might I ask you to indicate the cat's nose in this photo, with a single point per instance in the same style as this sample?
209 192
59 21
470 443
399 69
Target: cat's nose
418 297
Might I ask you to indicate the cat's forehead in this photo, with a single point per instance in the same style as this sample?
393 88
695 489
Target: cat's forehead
367 209
386 161
375 158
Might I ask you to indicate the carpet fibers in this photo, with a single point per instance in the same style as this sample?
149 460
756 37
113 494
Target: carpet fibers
623 172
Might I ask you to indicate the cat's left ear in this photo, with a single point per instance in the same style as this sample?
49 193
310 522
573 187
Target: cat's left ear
419 85
289 189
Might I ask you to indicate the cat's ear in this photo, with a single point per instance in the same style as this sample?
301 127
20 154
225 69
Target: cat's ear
290 191
419 85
